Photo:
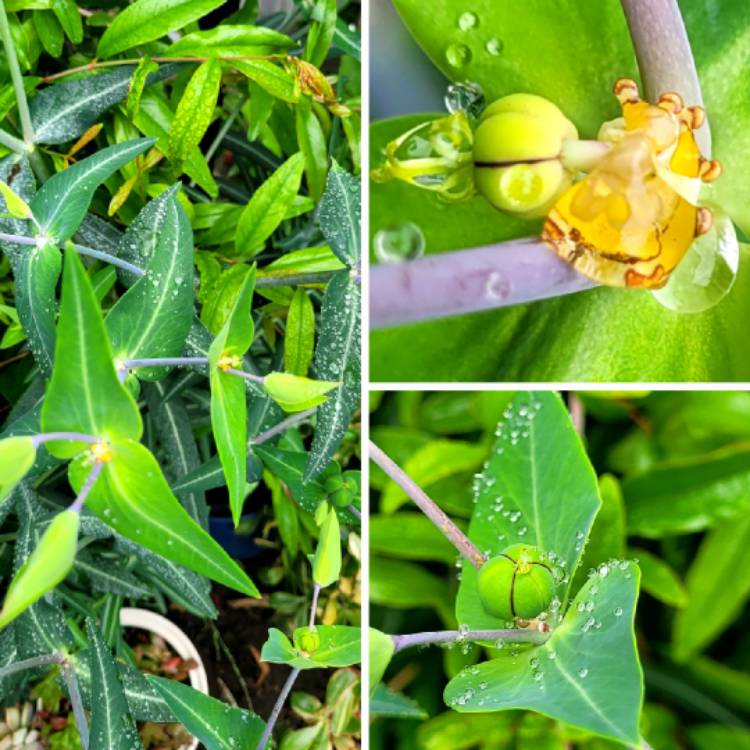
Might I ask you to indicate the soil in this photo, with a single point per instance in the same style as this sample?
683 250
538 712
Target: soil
244 630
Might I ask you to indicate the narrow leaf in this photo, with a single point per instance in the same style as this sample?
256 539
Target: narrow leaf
327 561
17 456
271 77
299 337
321 32
231 41
313 144
294 393
340 214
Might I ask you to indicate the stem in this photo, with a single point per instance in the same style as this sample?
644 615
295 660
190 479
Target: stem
400 642
294 279
247 375
79 502
80 437
665 60
354 510
132 364
36 661
111 259
577 413
465 281
18 239
136 60
17 78
314 606
441 520
273 718
285 424
13 143
76 702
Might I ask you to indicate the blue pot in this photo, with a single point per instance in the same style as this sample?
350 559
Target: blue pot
236 543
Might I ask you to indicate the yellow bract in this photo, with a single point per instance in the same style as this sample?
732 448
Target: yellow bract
631 220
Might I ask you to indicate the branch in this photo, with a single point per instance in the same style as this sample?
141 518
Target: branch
111 259
273 718
13 143
428 506
45 660
79 502
285 424
76 702
314 605
17 78
466 281
79 437
400 642
665 60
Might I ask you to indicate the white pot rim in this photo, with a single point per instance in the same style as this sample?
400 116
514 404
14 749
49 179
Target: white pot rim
134 617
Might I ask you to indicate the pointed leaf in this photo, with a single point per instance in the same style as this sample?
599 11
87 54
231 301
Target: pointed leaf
381 648
153 317
146 20
337 358
109 576
294 393
15 205
231 41
63 200
267 207
313 144
299 336
67 110
17 456
327 562
217 725
85 394
340 214
112 727
270 77
132 496
340 646
195 110
587 674
228 400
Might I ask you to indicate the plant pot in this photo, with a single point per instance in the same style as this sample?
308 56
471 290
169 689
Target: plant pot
238 545
143 619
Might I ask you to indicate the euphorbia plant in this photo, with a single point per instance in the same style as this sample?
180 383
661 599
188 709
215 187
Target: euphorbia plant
559 645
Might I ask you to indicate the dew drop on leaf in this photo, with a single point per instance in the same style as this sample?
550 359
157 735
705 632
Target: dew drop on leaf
402 243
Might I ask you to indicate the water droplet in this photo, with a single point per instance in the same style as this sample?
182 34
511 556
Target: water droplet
603 570
457 55
466 97
618 612
467 21
405 242
583 672
494 46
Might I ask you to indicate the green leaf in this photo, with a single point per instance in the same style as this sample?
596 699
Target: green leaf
231 41
289 467
153 317
454 731
109 577
716 591
132 496
380 649
146 20
195 110
50 562
267 207
337 358
137 83
49 31
69 18
299 335
112 727
409 536
537 460
84 394
321 32
326 566
339 647
312 143
340 214
217 725
17 456
223 296
14 204
658 579
435 461
294 393
63 200
687 495
270 77
587 674
386 702
228 399
67 110
710 736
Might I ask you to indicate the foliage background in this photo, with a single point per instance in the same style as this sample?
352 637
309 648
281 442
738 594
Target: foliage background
676 484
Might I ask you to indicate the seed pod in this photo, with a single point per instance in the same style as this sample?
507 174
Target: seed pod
518 146
306 639
516 583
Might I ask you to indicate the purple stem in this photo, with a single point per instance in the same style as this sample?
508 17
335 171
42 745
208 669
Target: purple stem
247 375
314 606
282 426
78 503
401 642
273 718
428 506
46 437
131 364
466 281
665 60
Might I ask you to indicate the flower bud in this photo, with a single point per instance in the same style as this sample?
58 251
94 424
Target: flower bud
306 639
518 146
516 583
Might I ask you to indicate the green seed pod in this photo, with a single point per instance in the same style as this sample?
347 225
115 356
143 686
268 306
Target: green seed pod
517 154
294 393
516 583
306 639
339 491
47 565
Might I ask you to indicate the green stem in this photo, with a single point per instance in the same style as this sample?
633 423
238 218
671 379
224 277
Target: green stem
13 143
17 78
45 660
